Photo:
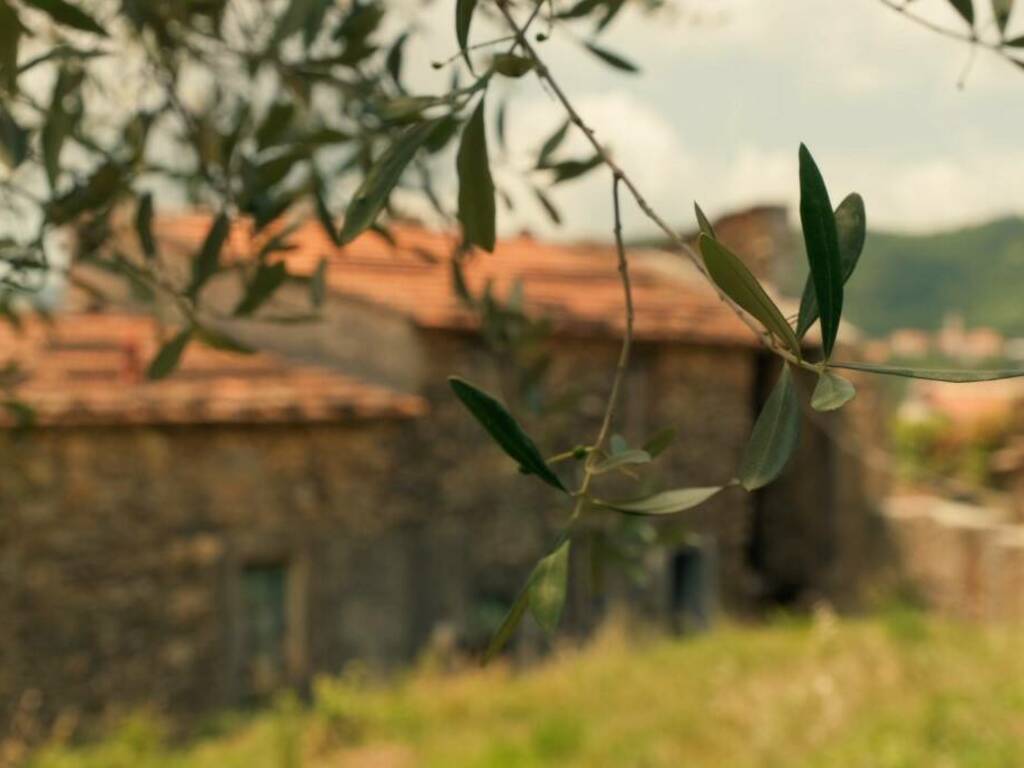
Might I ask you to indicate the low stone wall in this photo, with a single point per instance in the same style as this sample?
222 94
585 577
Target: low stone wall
966 560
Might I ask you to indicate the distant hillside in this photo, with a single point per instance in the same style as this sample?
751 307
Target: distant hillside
913 280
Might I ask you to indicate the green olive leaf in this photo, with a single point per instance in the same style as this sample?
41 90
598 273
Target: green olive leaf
703 222
966 10
266 281
953 375
548 586
775 436
67 14
628 457
464 10
739 284
369 199
505 430
477 211
664 503
851 228
831 392
167 359
822 242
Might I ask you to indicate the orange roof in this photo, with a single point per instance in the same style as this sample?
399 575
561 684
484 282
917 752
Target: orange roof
576 287
80 369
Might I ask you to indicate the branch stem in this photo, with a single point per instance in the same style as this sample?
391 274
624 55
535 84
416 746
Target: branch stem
621 176
971 38
621 366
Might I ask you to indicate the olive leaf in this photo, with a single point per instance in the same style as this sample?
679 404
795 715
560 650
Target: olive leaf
774 437
851 228
318 284
567 170
547 588
511 65
664 503
463 21
703 222
611 59
10 36
659 441
95 192
1001 10
323 213
476 187
207 261
169 356
552 143
63 114
631 456
831 392
544 594
266 281
218 339
548 206
732 276
67 14
14 140
369 199
951 375
274 126
505 430
508 625
144 226
822 242
965 8
617 444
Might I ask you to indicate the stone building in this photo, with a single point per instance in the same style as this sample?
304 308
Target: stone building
254 520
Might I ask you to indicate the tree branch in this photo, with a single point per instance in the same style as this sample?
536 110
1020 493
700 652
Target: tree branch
627 339
623 363
971 38
684 247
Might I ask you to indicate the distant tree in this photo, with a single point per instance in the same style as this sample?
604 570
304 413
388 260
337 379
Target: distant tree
264 110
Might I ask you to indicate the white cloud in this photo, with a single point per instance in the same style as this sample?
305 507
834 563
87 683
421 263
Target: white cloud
637 135
721 106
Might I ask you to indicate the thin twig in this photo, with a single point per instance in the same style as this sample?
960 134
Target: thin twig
623 363
574 117
627 338
475 47
971 38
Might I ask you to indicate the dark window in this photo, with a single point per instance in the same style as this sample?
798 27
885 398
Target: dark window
693 586
264 627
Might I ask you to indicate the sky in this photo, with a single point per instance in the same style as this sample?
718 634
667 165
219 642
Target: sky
729 88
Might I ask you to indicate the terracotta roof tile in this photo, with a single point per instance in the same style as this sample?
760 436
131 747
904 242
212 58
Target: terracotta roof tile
90 369
576 286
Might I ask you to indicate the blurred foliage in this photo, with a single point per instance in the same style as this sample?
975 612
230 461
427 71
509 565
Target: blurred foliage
259 111
932 446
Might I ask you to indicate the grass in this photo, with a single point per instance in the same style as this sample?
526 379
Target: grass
891 691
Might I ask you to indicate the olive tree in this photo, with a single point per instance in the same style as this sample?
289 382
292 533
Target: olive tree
303 106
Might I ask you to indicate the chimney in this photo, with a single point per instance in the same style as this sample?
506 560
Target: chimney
761 236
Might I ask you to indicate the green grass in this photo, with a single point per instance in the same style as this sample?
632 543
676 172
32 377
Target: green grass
893 691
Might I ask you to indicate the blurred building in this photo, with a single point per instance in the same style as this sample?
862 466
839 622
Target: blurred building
255 519
968 408
909 343
955 341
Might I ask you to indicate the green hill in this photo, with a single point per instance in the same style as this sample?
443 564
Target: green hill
911 281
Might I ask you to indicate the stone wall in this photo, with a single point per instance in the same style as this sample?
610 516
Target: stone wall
964 560
122 549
